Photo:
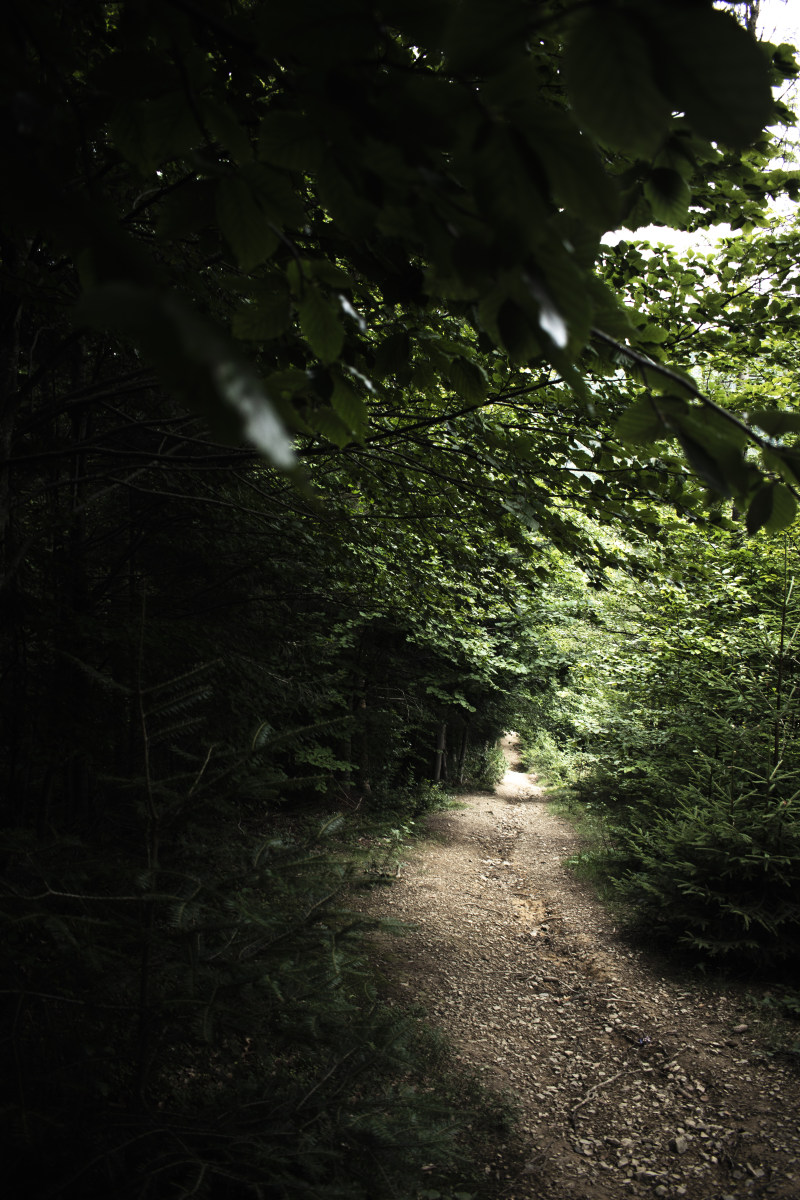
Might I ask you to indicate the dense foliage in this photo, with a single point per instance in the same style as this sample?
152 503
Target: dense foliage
316 373
677 727
676 718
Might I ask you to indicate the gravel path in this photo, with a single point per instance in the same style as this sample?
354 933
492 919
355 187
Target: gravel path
629 1083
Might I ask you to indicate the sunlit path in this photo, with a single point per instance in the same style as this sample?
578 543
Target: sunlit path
629 1083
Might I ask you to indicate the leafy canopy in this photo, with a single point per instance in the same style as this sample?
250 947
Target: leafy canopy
299 212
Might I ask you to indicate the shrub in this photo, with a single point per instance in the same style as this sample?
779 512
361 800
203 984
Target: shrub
484 765
543 754
721 871
206 1027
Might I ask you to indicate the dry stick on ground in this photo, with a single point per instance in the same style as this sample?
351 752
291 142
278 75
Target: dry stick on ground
603 1083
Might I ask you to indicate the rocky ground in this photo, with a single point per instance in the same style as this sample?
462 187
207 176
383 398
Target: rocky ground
630 1082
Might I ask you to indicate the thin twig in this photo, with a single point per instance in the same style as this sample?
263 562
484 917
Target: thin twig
603 1083
202 769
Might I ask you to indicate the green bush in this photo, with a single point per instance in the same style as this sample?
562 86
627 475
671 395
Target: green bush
720 872
542 753
484 765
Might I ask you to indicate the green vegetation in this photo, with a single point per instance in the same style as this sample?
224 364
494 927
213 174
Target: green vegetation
221 1027
686 757
336 441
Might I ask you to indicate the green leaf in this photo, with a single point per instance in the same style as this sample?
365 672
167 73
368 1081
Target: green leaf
331 426
610 82
640 424
262 319
243 223
152 132
516 332
773 508
787 462
565 308
483 36
327 272
573 166
187 209
195 360
393 354
422 20
775 422
714 71
669 380
350 209
322 329
424 375
708 424
609 314
349 407
467 379
323 36
288 139
301 269
223 126
669 195
760 509
784 508
287 384
652 334
277 195
704 464
239 386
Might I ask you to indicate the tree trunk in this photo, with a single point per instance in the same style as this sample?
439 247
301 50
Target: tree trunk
440 748
462 754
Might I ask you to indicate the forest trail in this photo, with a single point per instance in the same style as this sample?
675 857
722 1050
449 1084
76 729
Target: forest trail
628 1083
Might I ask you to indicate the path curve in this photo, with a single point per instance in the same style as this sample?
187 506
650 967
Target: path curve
629 1083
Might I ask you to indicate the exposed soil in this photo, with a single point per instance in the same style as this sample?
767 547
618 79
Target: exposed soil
629 1081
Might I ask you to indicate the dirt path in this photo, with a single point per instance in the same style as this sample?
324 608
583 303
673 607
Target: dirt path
629 1083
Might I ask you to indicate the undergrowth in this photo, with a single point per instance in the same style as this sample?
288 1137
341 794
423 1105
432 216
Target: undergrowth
594 861
209 1024
540 752
605 863
484 766
776 1016
702 855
